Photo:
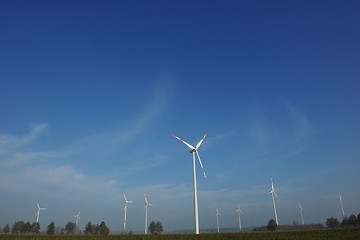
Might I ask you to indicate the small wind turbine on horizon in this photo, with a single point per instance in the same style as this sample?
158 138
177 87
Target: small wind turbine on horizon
272 192
125 209
301 214
38 212
217 219
342 208
77 221
193 150
146 205
238 212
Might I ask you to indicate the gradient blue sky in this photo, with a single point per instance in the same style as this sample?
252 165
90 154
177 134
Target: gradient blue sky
92 91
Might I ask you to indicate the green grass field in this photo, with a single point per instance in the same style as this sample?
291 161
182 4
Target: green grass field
325 234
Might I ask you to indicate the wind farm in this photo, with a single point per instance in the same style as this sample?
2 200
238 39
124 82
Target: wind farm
146 116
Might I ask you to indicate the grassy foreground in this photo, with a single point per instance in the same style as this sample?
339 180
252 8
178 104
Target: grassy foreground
325 234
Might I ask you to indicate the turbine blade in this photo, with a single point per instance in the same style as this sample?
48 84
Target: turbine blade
125 197
191 147
201 165
146 201
130 201
38 205
276 196
199 143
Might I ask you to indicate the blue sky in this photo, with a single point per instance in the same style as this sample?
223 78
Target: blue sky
92 91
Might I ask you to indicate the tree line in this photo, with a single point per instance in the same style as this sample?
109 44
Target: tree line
20 227
351 221
347 222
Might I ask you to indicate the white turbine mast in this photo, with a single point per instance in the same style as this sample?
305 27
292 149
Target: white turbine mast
193 150
217 219
272 192
77 221
341 204
38 212
125 209
238 212
301 214
146 205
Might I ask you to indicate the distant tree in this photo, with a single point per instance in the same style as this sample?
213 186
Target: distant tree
152 227
51 228
358 219
91 229
352 220
6 229
69 228
103 229
332 222
26 228
295 223
271 226
106 231
35 227
345 222
18 227
158 227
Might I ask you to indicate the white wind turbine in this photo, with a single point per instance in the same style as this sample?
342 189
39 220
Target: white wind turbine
125 209
272 192
38 212
238 212
217 219
301 210
193 150
146 205
77 221
342 208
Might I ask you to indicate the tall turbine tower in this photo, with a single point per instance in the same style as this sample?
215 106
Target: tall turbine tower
126 202
77 221
38 212
238 212
301 210
272 192
193 150
146 205
342 208
217 219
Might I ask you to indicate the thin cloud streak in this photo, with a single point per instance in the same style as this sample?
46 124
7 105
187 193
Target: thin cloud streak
15 141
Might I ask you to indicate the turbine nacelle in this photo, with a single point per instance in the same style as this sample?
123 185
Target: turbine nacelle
195 149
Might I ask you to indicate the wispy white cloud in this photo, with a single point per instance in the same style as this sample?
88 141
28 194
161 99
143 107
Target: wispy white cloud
61 182
119 136
17 141
278 142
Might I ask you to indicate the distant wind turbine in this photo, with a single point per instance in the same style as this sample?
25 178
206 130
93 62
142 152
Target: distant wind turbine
342 208
77 221
217 219
125 209
38 212
146 205
301 214
193 150
272 192
238 212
